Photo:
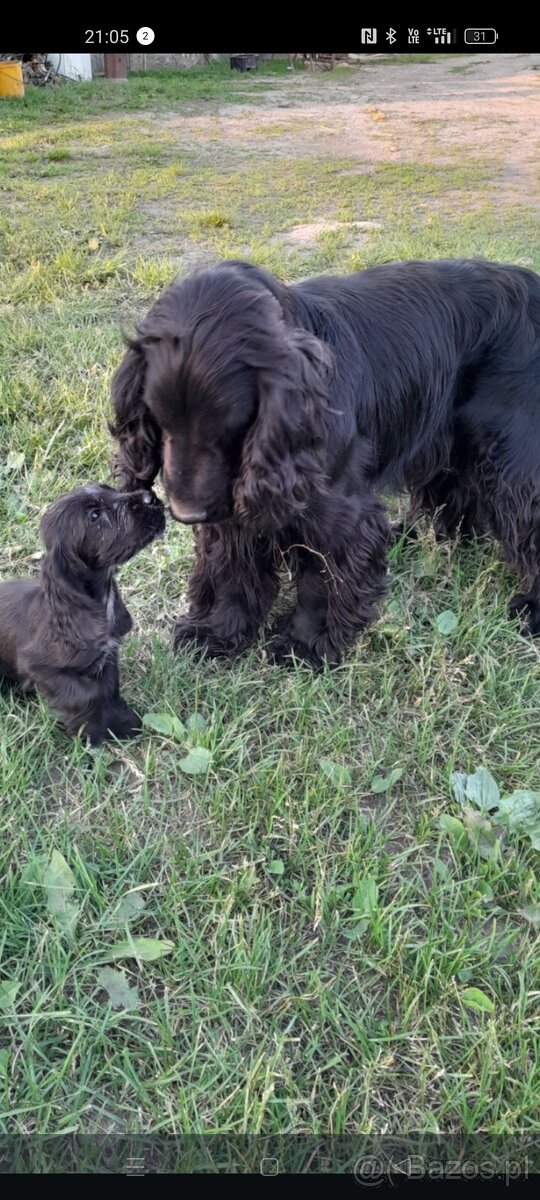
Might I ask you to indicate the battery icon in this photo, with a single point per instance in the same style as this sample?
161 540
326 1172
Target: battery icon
480 37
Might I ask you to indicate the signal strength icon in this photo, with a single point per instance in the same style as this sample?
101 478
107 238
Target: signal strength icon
442 37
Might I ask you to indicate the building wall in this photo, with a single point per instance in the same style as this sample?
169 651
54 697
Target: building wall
155 62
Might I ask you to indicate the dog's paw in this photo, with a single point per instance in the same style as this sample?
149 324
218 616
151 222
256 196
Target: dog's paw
526 609
121 723
125 723
199 637
186 631
289 653
207 640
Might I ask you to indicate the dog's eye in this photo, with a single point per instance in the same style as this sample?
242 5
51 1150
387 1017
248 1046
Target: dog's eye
95 514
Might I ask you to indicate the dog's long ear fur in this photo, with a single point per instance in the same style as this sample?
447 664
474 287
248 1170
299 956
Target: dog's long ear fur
73 618
139 445
284 459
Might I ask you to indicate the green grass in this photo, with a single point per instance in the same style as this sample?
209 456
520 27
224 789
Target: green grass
279 1007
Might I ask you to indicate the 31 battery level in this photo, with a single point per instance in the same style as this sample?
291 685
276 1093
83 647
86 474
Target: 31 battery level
481 37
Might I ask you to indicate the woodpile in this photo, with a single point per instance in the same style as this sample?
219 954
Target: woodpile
36 68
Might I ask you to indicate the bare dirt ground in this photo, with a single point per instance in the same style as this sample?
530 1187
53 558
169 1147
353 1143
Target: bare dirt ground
481 106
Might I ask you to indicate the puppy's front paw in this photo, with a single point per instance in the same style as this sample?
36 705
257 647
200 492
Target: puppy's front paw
121 722
124 722
526 609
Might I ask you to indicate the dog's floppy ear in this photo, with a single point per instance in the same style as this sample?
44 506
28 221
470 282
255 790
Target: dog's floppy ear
284 459
139 454
73 616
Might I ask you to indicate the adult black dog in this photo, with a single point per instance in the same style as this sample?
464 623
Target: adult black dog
60 634
278 415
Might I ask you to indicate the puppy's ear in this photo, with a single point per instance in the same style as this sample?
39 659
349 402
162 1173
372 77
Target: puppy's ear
284 455
65 602
139 455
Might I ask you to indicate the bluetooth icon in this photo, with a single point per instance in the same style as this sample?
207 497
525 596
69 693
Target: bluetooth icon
391 35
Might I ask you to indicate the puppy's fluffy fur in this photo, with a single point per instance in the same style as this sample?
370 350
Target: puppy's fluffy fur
60 634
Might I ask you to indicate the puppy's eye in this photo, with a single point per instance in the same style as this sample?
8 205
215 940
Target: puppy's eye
95 514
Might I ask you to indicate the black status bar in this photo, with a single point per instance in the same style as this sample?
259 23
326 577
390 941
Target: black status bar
168 35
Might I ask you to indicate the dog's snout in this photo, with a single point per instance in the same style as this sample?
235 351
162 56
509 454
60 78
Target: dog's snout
188 515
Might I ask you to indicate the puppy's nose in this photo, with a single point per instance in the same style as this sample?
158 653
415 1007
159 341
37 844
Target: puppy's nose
189 516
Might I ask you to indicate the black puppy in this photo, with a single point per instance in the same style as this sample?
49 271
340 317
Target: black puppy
60 634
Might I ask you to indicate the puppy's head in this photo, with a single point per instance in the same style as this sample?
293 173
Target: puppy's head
225 395
96 528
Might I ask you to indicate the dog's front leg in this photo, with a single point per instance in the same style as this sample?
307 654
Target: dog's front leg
341 567
231 590
88 704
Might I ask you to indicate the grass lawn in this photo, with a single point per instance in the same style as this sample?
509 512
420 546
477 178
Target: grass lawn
326 928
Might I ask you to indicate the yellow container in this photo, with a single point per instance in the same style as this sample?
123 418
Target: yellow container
11 79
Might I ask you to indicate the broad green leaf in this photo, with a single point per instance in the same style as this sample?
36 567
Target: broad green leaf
477 1000
446 622
276 867
482 790
335 772
355 932
129 908
8 992
455 829
531 912
197 762
115 983
166 724
365 899
521 813
383 783
146 949
484 836
4 1061
484 891
59 882
465 974
33 873
14 461
196 724
520 807
440 871
458 779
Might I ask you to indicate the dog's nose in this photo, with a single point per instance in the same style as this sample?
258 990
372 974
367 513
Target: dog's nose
189 516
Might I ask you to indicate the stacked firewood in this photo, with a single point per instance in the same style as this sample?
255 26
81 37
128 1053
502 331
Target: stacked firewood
36 68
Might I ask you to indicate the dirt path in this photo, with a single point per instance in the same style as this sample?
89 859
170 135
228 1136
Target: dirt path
478 108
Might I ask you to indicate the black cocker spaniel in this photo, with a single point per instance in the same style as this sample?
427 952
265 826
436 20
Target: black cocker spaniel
278 415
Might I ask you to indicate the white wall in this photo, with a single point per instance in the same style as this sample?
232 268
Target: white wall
73 66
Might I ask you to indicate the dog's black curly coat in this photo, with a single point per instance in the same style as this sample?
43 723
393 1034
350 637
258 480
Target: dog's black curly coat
60 634
278 415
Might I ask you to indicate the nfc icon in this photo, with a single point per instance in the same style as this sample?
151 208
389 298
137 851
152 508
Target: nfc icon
368 37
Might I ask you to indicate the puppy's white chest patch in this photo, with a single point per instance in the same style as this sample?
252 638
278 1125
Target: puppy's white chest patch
110 608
